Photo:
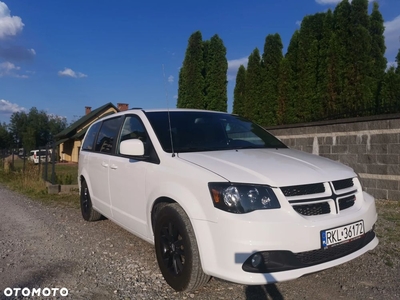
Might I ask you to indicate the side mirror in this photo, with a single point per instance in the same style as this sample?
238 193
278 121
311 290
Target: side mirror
133 147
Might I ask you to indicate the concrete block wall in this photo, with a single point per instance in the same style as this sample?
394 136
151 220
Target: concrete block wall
371 146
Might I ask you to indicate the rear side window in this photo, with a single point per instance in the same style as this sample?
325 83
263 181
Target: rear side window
107 135
90 137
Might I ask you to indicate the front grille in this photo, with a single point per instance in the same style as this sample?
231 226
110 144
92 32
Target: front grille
313 209
319 198
343 184
319 256
347 202
299 190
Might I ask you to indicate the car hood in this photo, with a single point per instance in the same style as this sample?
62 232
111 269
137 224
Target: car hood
275 167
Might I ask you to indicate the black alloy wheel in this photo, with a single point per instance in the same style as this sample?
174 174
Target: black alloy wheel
176 249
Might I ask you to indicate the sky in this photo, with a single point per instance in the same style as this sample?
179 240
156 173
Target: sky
60 56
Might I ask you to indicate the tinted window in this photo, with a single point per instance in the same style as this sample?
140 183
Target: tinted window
42 153
133 128
91 136
206 131
107 135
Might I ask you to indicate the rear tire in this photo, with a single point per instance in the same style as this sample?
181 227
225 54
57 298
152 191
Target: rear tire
88 212
176 249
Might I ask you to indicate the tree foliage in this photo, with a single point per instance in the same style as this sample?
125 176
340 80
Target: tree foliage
271 60
202 78
5 137
191 80
34 129
334 67
285 111
216 67
378 48
253 107
390 91
239 93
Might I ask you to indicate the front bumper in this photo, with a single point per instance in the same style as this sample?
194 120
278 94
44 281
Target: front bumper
225 246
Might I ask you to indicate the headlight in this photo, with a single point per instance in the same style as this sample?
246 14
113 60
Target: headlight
242 198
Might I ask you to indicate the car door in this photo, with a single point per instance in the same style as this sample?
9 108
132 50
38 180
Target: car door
99 164
127 179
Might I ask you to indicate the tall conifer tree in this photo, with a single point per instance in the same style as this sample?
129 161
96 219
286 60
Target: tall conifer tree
191 81
239 93
390 95
378 48
292 58
327 67
216 67
253 109
341 17
308 59
358 89
271 60
398 62
285 112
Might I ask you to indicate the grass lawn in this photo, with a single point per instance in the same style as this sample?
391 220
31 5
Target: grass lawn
28 180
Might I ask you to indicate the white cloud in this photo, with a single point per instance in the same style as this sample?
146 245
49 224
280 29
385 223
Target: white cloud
233 66
325 2
9 26
11 70
7 66
298 23
8 108
391 64
70 73
170 79
392 34
56 117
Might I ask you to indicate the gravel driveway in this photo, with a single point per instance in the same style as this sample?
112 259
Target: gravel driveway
44 246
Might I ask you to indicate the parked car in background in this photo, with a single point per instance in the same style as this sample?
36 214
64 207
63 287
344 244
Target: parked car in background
37 156
220 196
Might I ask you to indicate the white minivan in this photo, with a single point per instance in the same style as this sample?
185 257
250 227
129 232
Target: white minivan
40 156
220 196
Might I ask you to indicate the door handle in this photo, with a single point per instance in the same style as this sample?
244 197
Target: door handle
114 167
103 164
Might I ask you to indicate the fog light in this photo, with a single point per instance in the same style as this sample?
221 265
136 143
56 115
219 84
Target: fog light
256 260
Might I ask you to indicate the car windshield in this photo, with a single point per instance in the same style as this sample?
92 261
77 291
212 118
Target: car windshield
193 131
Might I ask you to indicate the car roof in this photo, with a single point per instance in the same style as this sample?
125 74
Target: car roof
140 110
173 110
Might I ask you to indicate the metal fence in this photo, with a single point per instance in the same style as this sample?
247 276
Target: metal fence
14 159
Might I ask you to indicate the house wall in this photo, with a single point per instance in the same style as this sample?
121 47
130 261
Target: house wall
371 146
66 149
75 151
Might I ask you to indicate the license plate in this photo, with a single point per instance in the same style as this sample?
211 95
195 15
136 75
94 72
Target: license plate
339 235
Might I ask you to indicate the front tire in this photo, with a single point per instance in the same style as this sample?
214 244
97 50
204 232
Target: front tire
176 249
88 212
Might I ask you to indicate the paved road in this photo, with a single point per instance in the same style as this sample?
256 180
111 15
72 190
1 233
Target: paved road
51 247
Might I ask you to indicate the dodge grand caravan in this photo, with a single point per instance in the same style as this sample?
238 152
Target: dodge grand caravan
220 196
